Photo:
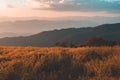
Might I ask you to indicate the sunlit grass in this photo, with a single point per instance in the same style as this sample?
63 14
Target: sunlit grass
56 63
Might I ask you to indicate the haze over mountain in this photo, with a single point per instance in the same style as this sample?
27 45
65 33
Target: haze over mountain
35 25
11 34
74 35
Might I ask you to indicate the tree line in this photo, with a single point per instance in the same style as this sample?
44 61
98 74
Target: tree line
95 41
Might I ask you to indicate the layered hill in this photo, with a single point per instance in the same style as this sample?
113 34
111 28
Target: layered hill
74 35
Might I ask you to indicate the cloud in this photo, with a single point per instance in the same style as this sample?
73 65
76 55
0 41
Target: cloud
112 6
62 1
10 6
44 4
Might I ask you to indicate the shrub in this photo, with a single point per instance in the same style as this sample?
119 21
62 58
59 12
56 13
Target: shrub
91 56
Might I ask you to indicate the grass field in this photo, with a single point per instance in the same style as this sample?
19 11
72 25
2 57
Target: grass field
85 63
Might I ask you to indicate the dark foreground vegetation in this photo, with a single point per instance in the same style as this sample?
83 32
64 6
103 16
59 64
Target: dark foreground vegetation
86 63
91 42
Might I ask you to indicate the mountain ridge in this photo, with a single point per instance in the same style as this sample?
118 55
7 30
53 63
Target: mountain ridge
74 35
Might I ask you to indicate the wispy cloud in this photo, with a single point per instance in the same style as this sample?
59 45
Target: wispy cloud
112 6
60 8
43 4
10 6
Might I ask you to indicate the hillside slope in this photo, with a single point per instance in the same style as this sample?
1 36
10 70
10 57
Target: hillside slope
74 35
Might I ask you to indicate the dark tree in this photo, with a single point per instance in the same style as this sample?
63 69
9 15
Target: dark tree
98 41
61 44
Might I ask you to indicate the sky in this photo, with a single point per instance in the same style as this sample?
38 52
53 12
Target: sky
59 8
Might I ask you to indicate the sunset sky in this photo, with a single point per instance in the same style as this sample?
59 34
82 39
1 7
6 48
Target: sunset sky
59 8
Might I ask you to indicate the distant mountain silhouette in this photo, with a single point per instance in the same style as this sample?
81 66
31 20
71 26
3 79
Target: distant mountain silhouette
74 35
11 34
36 24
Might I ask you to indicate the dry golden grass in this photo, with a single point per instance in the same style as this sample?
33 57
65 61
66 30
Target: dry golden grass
86 63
